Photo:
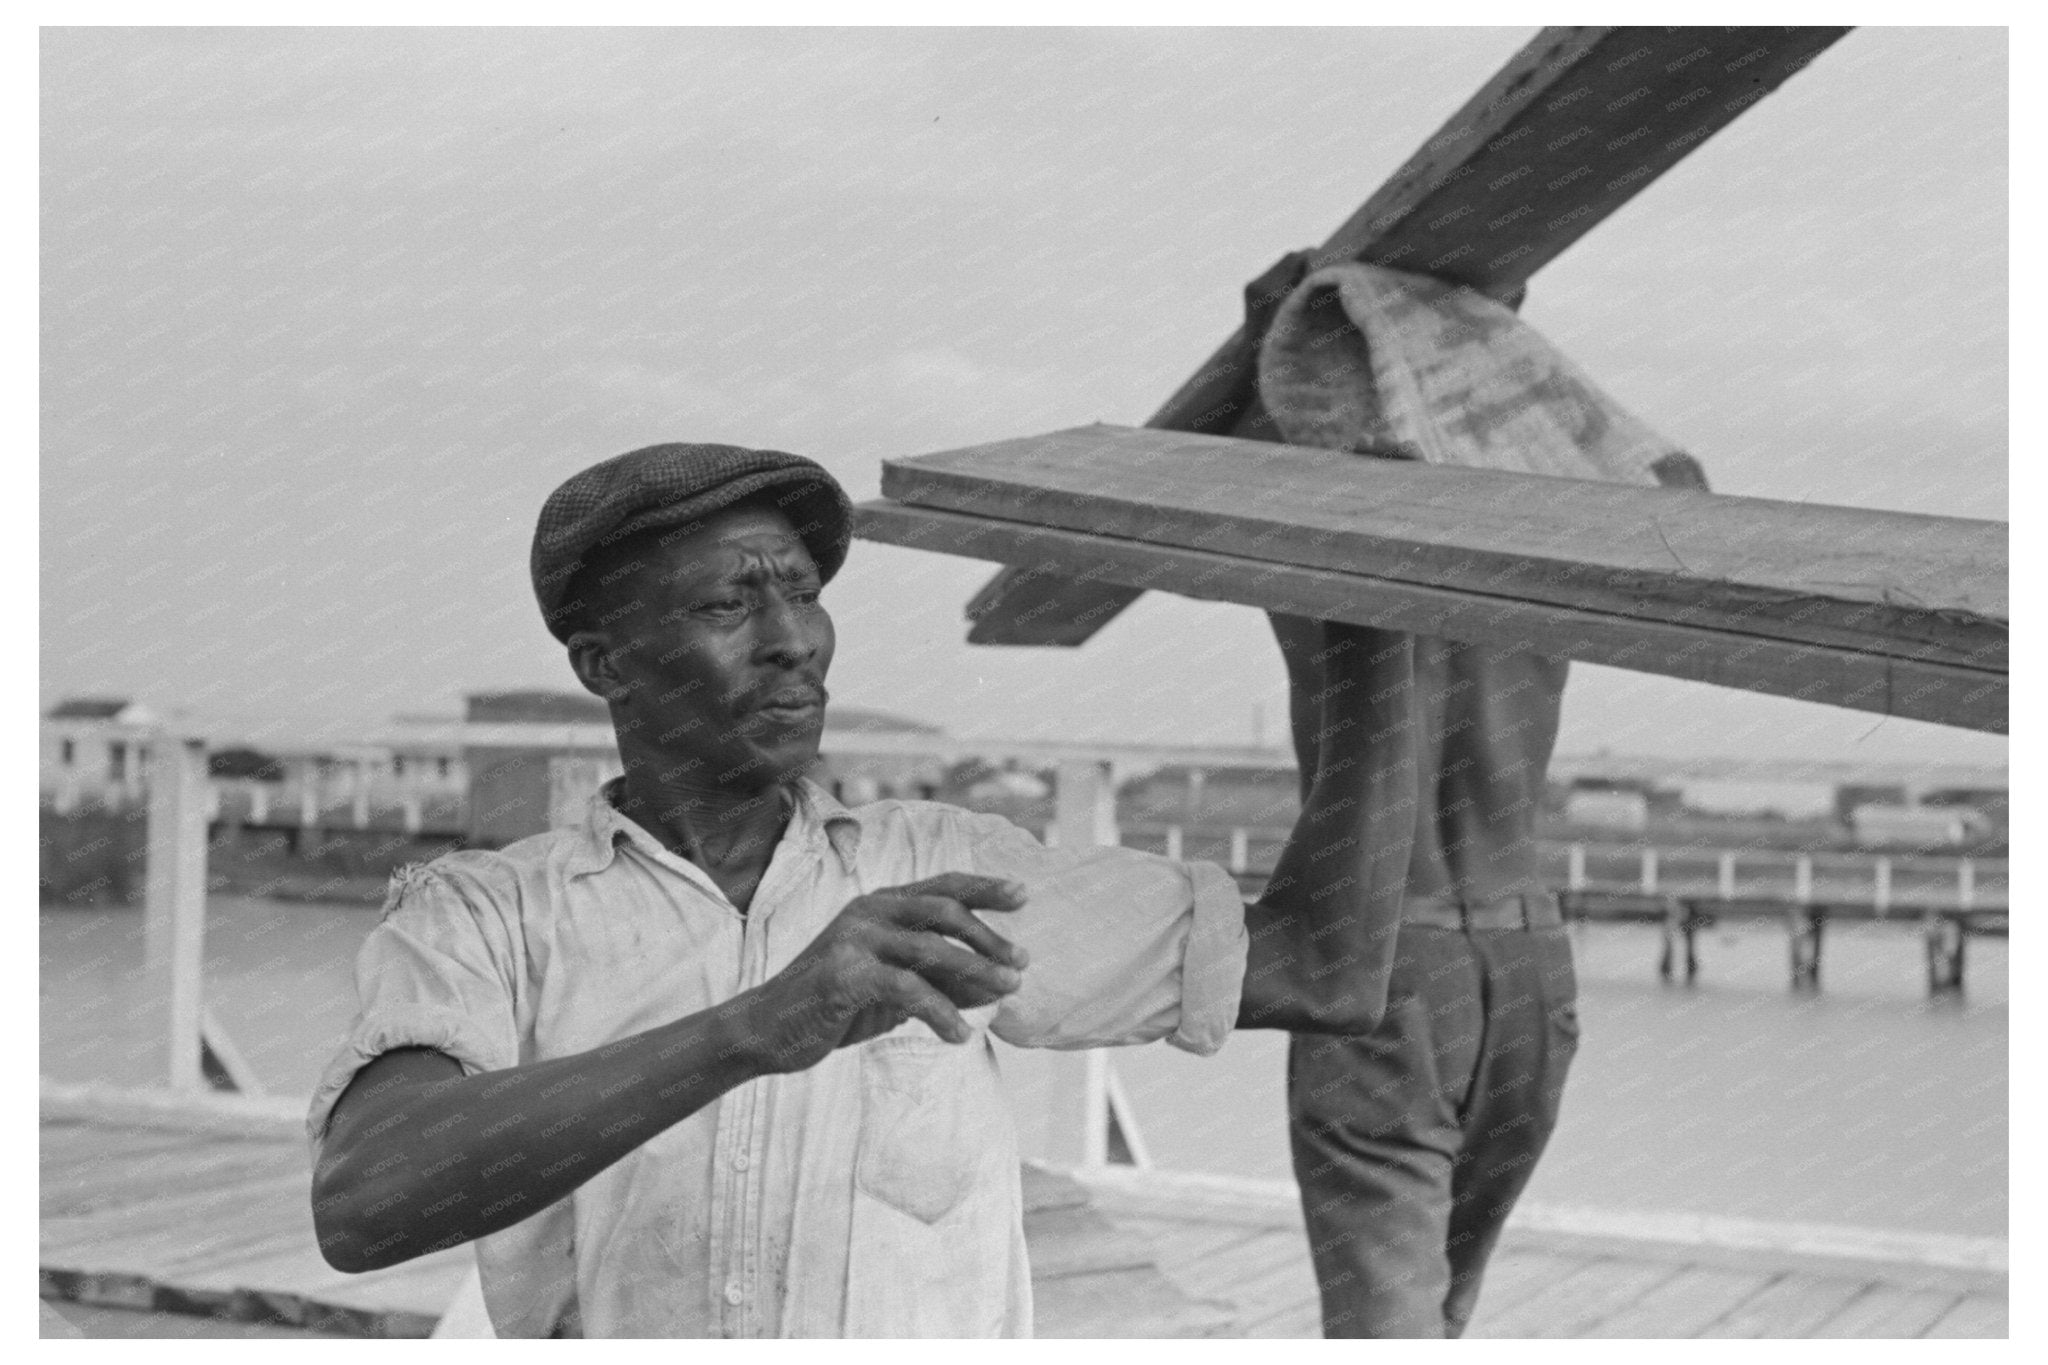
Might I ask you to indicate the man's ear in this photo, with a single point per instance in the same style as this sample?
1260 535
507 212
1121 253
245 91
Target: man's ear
590 656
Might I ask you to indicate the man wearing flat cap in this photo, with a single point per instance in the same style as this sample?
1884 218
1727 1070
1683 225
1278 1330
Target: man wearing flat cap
715 1061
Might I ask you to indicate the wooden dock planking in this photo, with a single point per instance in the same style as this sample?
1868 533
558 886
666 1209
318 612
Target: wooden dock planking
1076 1240
1109 1258
1286 1281
1182 1243
159 1237
1516 1276
1219 1276
1122 1303
1883 1310
78 1182
1974 1315
1686 1304
1573 1305
1294 1320
1791 1306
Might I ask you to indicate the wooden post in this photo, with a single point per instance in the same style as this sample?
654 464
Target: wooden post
1946 936
1240 849
1726 877
1084 814
1085 804
1173 842
259 803
1095 1108
1125 1116
1575 868
1806 924
1966 884
413 817
1881 890
1802 879
1680 935
309 799
359 791
174 924
1649 879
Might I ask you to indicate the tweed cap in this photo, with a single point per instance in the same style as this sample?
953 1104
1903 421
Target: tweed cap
669 485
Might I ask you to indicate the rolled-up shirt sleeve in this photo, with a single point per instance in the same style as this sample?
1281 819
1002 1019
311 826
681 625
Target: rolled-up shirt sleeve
1126 947
436 973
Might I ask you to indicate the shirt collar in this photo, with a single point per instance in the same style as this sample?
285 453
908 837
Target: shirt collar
819 818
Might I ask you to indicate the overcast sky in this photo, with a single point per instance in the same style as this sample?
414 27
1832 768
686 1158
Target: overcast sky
326 314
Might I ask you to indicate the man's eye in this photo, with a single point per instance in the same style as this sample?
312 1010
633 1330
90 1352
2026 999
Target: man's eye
723 606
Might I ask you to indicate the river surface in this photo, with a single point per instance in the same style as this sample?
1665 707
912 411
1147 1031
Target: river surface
1865 1103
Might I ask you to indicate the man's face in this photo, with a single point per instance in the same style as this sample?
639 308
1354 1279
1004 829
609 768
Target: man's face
719 652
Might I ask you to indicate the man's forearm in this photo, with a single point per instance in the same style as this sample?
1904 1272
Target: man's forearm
418 1159
1323 933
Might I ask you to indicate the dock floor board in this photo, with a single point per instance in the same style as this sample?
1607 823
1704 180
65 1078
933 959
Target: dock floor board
172 1223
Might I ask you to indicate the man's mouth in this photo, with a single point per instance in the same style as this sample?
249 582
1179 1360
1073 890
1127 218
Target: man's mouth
793 703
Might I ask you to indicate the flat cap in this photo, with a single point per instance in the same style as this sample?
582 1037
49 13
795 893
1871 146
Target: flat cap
669 485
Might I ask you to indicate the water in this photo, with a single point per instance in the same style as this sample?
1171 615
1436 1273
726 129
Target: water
1866 1103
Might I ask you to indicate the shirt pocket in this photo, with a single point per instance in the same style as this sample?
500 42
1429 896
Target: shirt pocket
924 1123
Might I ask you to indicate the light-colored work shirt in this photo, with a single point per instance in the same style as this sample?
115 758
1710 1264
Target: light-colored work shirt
875 1194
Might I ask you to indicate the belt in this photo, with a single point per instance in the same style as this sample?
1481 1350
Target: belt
1525 910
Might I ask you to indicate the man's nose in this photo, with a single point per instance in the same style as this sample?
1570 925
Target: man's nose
788 637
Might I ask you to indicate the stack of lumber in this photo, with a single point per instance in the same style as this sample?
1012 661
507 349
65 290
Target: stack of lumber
1571 128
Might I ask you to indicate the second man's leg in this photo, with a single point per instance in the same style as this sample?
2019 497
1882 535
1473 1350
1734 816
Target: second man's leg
1374 1124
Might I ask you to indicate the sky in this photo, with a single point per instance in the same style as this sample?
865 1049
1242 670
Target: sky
327 313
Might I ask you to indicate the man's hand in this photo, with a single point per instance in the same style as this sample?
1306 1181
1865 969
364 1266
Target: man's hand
907 952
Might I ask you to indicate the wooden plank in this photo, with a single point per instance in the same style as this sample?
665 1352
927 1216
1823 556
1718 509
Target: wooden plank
1572 127
1792 1307
1079 1241
1515 1277
1935 692
1182 1245
1123 1303
75 1155
1886 1311
1931 589
203 1111
174 909
141 1237
1686 1304
1594 1291
1292 1321
1976 1315
1218 1275
1045 1188
1282 1285
178 1171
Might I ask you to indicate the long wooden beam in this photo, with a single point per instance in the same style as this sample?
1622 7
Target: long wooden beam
1571 128
1889 612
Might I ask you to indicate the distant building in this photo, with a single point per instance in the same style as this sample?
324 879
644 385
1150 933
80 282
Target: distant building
1885 826
1181 794
1611 808
94 751
524 786
521 785
1787 800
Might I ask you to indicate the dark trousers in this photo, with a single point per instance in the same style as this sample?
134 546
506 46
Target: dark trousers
1412 1143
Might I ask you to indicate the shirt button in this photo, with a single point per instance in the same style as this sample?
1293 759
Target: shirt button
732 1295
740 1162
